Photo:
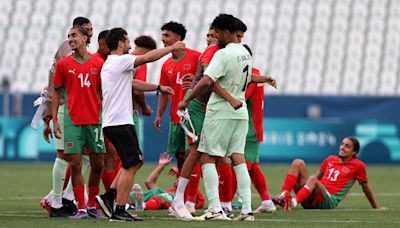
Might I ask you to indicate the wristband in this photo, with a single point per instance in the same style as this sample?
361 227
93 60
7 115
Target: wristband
158 90
55 120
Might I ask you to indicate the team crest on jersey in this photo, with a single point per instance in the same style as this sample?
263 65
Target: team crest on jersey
94 71
345 170
187 67
70 144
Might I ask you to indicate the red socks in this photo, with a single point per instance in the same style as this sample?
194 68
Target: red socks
193 185
107 178
225 183
258 179
303 194
289 183
79 193
93 192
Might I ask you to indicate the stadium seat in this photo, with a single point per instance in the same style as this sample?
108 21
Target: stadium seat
23 6
39 20
6 6
42 7
61 8
4 20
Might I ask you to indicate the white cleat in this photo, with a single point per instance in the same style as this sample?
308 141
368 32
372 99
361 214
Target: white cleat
266 209
212 216
180 212
244 217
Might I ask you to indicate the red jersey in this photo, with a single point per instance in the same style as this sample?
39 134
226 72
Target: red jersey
172 72
255 105
203 62
80 80
98 56
141 73
339 177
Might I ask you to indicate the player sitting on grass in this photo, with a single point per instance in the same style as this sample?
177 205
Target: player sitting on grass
156 198
326 188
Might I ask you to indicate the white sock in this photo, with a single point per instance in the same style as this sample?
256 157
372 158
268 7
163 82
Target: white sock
190 204
180 190
294 202
266 203
56 202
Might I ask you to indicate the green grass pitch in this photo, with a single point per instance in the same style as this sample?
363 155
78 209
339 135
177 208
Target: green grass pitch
23 185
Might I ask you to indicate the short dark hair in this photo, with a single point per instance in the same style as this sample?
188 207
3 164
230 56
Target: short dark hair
80 21
356 143
225 22
176 28
114 36
102 34
145 42
240 25
248 49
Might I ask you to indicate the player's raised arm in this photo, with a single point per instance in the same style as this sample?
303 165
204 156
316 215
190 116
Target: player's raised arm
156 54
163 162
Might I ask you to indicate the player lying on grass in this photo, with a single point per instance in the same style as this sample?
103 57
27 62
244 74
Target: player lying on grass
332 182
156 198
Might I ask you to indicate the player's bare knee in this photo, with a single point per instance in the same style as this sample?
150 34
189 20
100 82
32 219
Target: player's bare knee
298 163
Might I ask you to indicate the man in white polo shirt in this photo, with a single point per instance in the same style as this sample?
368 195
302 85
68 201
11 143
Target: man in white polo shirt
118 126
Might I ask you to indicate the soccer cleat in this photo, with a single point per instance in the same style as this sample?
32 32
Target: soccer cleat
191 209
106 205
124 217
59 212
278 201
45 205
209 215
287 201
79 215
180 212
138 193
228 213
245 217
70 206
266 209
94 213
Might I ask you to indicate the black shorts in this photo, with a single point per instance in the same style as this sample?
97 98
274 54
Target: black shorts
125 140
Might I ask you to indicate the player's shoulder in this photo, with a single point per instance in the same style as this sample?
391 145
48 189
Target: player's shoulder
96 58
66 59
358 162
192 52
333 158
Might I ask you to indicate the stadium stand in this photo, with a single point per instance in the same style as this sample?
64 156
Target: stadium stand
331 47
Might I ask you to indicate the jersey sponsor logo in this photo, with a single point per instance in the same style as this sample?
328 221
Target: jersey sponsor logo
169 71
187 67
345 170
94 71
329 164
70 144
72 71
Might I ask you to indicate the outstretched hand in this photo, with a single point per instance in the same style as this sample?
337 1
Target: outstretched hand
164 159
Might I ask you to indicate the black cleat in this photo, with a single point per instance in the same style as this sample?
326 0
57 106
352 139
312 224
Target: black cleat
69 206
124 216
105 204
59 212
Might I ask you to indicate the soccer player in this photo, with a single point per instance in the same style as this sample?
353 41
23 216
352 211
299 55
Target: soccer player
174 72
156 198
118 126
332 182
78 77
61 207
102 51
224 128
255 105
